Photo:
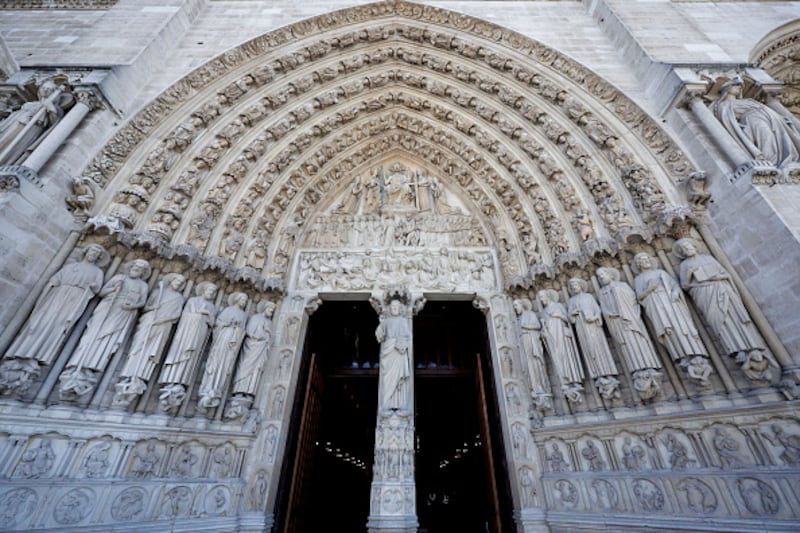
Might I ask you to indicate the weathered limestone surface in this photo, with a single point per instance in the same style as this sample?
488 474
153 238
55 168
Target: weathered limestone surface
238 160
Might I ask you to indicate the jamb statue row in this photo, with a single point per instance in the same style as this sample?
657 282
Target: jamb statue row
66 298
667 311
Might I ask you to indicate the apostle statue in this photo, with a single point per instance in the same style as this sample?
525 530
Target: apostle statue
531 346
109 325
394 334
229 331
161 312
560 343
761 131
665 306
585 313
187 346
254 357
58 309
21 131
623 318
721 307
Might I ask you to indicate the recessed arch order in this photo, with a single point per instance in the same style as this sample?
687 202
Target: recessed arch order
229 162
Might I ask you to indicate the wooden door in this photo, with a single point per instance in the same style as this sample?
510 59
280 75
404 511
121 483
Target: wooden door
493 497
298 511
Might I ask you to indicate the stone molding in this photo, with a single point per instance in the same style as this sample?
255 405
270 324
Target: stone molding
57 4
579 108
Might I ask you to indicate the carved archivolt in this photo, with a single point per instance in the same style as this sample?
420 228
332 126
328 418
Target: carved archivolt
779 54
553 161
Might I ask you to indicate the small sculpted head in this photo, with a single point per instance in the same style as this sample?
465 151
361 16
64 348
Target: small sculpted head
576 286
642 261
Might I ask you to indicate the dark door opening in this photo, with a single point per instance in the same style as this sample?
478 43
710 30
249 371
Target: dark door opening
460 469
325 483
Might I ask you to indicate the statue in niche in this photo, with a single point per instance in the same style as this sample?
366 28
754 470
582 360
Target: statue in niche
560 342
96 462
229 331
727 449
592 455
791 444
585 313
111 321
764 133
531 345
632 454
187 346
161 312
146 462
679 456
258 491
722 309
665 306
394 334
623 318
58 309
184 463
37 462
25 127
556 460
254 357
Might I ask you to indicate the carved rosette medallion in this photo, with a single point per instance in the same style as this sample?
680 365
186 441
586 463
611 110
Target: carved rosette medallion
17 506
74 506
129 504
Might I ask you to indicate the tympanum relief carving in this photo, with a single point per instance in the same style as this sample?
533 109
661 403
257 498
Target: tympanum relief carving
396 224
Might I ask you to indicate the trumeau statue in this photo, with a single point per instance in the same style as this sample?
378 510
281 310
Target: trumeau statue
585 313
560 343
623 318
161 312
23 129
187 346
665 306
229 331
531 345
760 130
111 321
254 357
394 334
58 309
722 309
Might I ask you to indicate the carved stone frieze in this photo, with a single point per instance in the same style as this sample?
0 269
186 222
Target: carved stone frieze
446 269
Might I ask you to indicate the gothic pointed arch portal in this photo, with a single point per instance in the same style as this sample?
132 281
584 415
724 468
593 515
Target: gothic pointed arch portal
387 144
397 153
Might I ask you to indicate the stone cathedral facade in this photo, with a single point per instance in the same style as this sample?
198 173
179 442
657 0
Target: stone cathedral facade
592 204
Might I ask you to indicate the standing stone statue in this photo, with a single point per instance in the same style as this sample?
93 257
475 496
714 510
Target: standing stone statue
111 321
762 132
531 345
585 313
161 312
560 342
226 341
665 306
722 309
254 357
58 309
623 318
394 334
187 346
23 129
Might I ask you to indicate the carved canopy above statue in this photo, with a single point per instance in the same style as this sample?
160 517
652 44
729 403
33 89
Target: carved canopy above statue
546 161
